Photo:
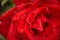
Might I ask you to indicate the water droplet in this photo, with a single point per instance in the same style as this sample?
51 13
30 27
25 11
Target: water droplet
0 22
21 30
44 37
54 5
47 9
17 18
14 32
22 17
54 26
30 23
54 29
15 11
49 36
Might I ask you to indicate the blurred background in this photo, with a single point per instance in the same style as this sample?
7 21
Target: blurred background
4 6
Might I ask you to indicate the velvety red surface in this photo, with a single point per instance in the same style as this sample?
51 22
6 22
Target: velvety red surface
32 20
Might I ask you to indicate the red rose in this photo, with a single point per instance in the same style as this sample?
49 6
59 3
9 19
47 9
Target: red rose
35 20
6 18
